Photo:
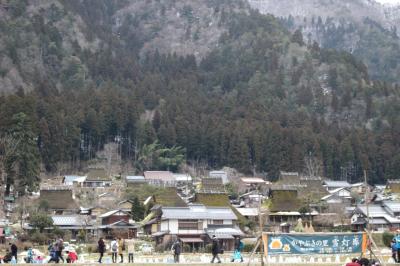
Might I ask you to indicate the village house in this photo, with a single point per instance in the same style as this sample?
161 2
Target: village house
252 183
393 185
57 200
73 223
97 178
332 184
212 185
134 180
285 206
382 216
183 179
160 178
116 223
220 174
194 225
125 205
289 178
70 180
339 196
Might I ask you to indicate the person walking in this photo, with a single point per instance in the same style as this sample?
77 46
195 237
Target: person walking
131 249
59 249
101 248
176 249
237 254
114 250
121 249
215 249
14 251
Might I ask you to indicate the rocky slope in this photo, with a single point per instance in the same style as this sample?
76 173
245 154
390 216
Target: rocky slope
363 27
53 40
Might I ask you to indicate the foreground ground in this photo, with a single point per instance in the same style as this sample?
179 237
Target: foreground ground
225 264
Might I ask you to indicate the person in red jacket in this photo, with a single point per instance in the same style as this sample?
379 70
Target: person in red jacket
354 262
71 257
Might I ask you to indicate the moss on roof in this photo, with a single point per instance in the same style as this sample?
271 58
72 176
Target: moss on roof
162 196
284 200
220 200
58 199
213 199
98 174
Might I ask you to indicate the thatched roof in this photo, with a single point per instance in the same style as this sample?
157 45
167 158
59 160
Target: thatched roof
212 185
284 200
169 197
97 174
58 199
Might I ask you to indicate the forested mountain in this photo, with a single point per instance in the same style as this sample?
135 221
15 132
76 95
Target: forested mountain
251 95
364 28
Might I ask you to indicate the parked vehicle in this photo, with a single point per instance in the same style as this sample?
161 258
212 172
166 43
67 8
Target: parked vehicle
146 248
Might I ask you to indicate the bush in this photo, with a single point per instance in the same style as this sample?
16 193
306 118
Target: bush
39 238
387 238
208 248
186 248
248 248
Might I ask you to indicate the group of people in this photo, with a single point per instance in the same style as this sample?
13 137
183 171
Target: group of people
363 262
215 250
12 254
117 248
55 250
56 253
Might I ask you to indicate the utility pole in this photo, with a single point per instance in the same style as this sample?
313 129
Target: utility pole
260 223
366 199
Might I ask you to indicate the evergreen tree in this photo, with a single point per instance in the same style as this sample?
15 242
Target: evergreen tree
23 165
137 210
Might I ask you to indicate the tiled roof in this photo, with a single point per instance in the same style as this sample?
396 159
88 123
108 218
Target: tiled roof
68 220
332 183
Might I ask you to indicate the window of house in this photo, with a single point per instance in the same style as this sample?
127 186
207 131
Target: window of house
218 221
188 224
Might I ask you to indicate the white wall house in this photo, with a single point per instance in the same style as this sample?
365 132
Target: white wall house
196 224
220 174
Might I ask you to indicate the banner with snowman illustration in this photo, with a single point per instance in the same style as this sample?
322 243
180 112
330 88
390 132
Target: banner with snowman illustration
337 243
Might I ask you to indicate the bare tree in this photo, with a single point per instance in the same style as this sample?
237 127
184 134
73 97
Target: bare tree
312 166
8 145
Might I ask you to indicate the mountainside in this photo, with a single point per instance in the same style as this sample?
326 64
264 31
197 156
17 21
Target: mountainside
365 28
229 85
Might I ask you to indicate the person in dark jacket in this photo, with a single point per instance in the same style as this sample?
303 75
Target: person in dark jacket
59 249
14 251
215 249
177 249
101 247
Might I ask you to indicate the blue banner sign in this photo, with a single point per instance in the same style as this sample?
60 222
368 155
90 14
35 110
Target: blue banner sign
315 243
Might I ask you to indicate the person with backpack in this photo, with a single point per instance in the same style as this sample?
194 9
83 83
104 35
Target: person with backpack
176 249
215 249
101 248
121 249
237 253
114 250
